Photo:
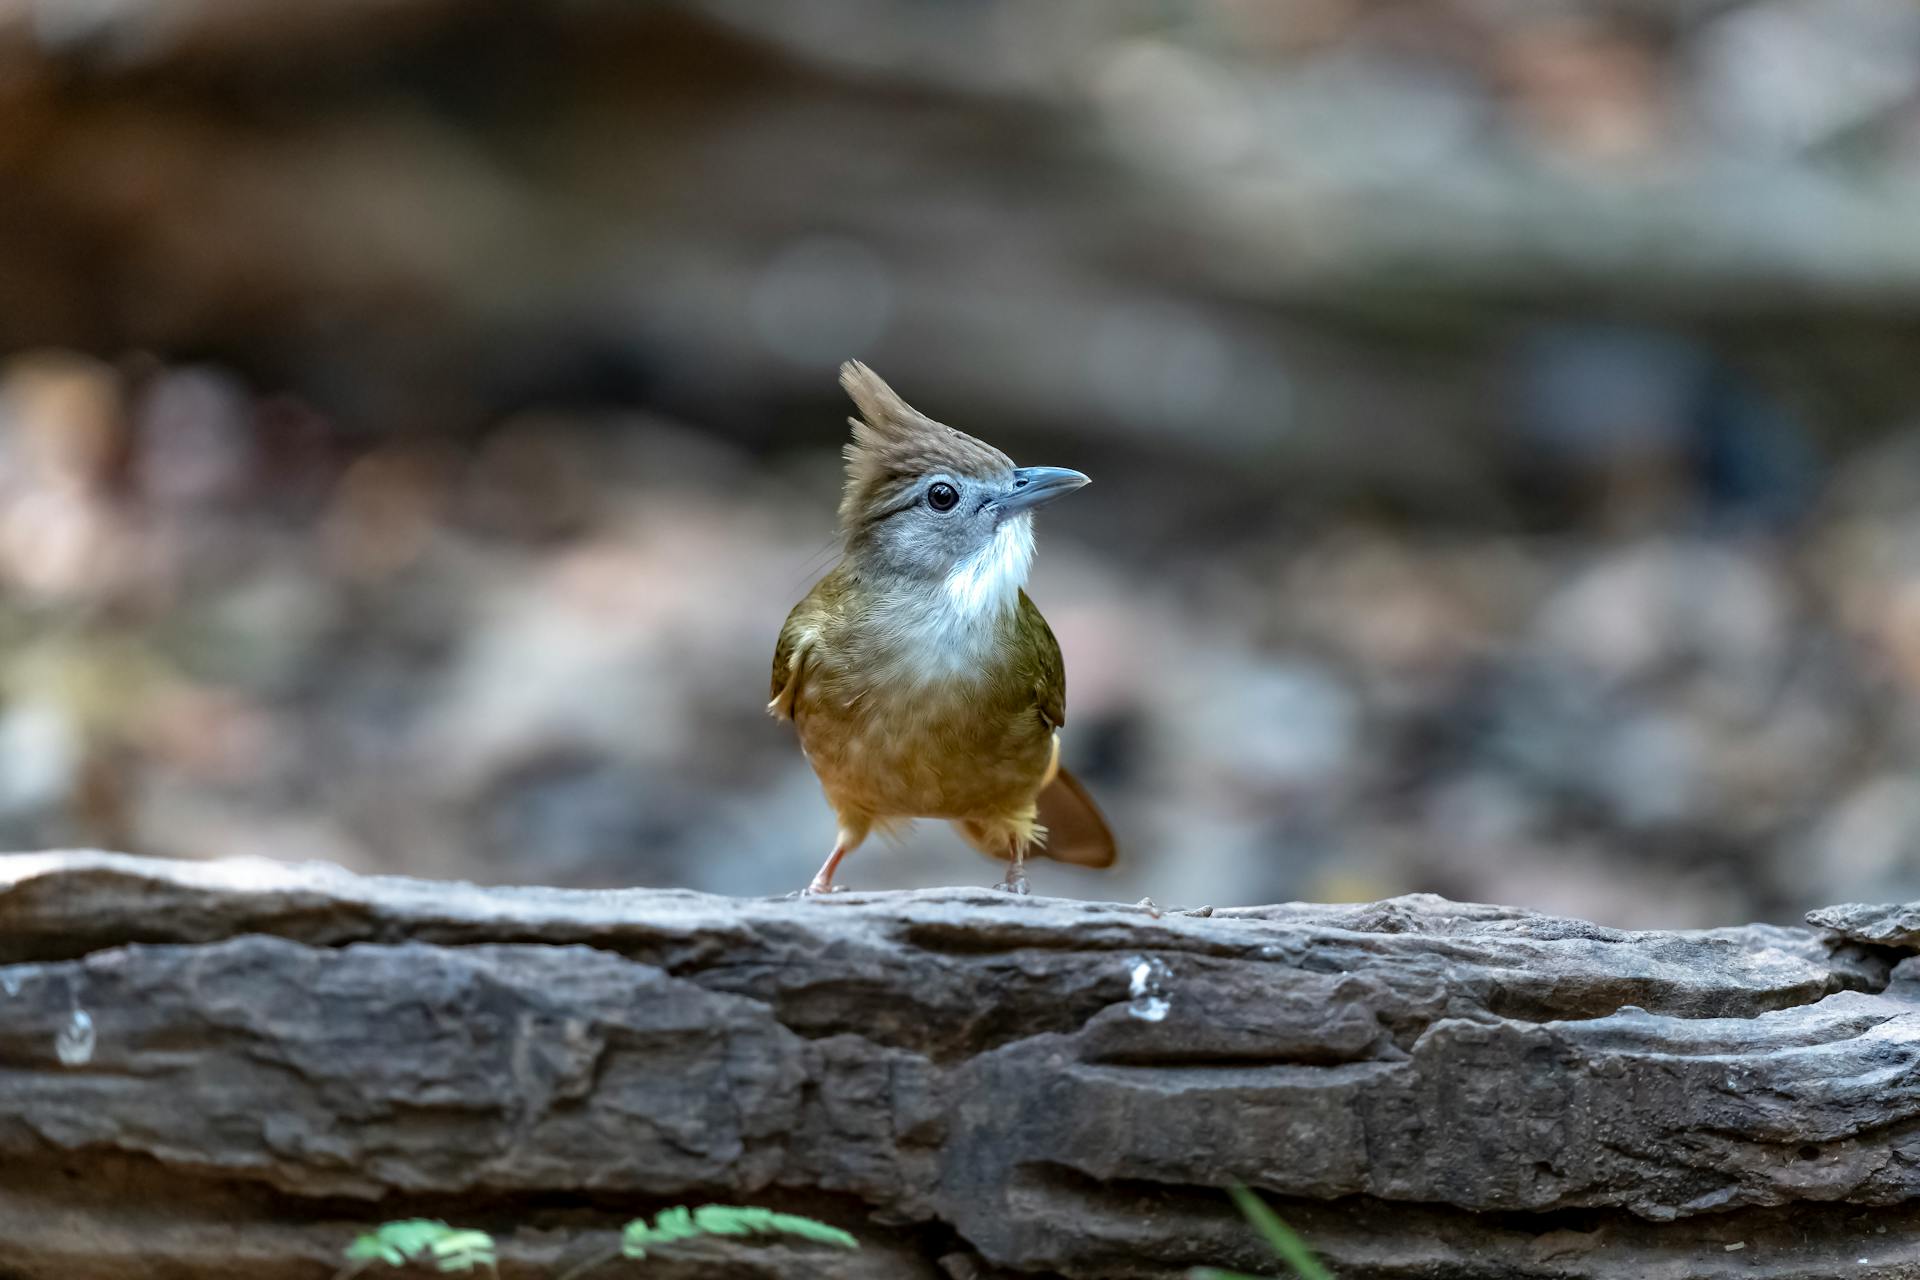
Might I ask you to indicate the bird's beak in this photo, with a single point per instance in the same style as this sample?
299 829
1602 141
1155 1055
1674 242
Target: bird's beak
1036 486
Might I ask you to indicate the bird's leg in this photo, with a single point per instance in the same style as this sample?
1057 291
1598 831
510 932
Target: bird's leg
851 834
1008 838
1016 881
822 881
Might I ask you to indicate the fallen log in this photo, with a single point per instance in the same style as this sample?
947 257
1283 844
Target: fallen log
229 1069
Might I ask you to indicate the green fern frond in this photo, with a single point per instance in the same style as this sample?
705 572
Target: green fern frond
448 1249
673 1225
464 1251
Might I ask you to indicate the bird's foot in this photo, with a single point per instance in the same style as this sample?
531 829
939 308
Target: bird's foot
1016 882
818 889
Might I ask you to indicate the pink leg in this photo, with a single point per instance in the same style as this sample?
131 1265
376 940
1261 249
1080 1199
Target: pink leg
852 833
823 878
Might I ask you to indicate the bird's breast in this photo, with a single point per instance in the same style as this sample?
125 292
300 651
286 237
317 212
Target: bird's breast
920 743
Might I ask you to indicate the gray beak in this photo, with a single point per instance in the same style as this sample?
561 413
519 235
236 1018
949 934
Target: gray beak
1036 486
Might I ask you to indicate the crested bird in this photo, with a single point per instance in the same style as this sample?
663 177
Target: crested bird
922 680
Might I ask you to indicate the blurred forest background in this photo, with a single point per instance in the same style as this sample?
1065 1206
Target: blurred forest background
416 419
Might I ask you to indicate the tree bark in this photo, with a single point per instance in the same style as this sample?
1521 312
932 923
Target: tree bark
229 1069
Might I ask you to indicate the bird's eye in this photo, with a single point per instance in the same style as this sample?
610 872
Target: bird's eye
942 496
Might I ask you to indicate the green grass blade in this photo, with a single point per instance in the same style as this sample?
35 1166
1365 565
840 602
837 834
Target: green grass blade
1286 1246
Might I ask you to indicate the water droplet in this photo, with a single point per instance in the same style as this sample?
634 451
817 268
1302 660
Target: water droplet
75 1042
1147 985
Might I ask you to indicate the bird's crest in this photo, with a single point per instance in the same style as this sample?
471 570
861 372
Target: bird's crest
894 444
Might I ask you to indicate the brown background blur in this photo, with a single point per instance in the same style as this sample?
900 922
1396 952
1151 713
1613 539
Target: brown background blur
416 419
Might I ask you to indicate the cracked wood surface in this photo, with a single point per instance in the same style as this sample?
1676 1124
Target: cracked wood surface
975 1085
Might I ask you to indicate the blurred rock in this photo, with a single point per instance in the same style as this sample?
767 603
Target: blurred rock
415 422
194 443
62 441
1869 845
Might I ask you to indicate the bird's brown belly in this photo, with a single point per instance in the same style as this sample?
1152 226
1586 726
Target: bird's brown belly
936 755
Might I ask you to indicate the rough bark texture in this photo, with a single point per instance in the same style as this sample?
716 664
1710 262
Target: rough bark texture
975 1085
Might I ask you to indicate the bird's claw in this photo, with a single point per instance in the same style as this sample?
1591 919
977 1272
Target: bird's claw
818 890
1014 884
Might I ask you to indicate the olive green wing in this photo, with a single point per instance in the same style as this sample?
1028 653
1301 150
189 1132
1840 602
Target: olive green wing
1040 654
790 660
807 633
1076 831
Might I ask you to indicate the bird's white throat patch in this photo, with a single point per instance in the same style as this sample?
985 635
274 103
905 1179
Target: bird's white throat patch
949 633
990 579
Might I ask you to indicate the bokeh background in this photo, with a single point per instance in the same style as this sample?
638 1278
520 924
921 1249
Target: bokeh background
416 419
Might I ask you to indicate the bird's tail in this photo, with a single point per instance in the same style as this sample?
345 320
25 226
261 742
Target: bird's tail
1076 833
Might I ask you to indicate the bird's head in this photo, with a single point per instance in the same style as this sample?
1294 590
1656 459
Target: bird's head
928 502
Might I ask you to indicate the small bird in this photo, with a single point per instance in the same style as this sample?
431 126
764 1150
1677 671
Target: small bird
922 680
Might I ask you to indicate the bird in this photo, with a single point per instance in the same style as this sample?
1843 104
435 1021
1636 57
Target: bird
922 680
